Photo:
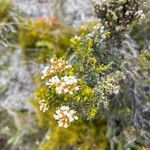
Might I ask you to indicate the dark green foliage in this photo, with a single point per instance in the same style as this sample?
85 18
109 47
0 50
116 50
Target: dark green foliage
4 10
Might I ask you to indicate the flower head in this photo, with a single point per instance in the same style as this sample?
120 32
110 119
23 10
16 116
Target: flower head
46 72
68 84
65 116
57 65
43 105
54 80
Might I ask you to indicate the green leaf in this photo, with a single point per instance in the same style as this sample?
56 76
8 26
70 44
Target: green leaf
45 44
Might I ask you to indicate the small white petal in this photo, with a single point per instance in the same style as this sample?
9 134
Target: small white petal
72 112
65 125
66 90
76 117
56 117
42 77
58 111
71 119
76 88
60 124
71 92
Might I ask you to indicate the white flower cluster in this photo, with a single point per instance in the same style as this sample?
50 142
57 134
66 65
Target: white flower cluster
107 86
43 105
53 81
67 84
62 85
102 33
120 13
57 65
65 116
46 72
112 83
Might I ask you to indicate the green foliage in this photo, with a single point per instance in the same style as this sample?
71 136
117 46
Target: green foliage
145 60
42 38
94 58
139 34
85 136
5 7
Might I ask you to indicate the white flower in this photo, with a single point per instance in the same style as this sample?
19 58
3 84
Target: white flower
96 27
57 65
66 90
45 69
64 108
65 125
76 117
116 90
77 38
65 116
67 84
76 88
43 105
69 79
71 92
102 29
54 80
45 72
60 124
103 36
59 90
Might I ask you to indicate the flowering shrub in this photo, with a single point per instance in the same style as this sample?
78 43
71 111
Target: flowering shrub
93 82
96 84
64 87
